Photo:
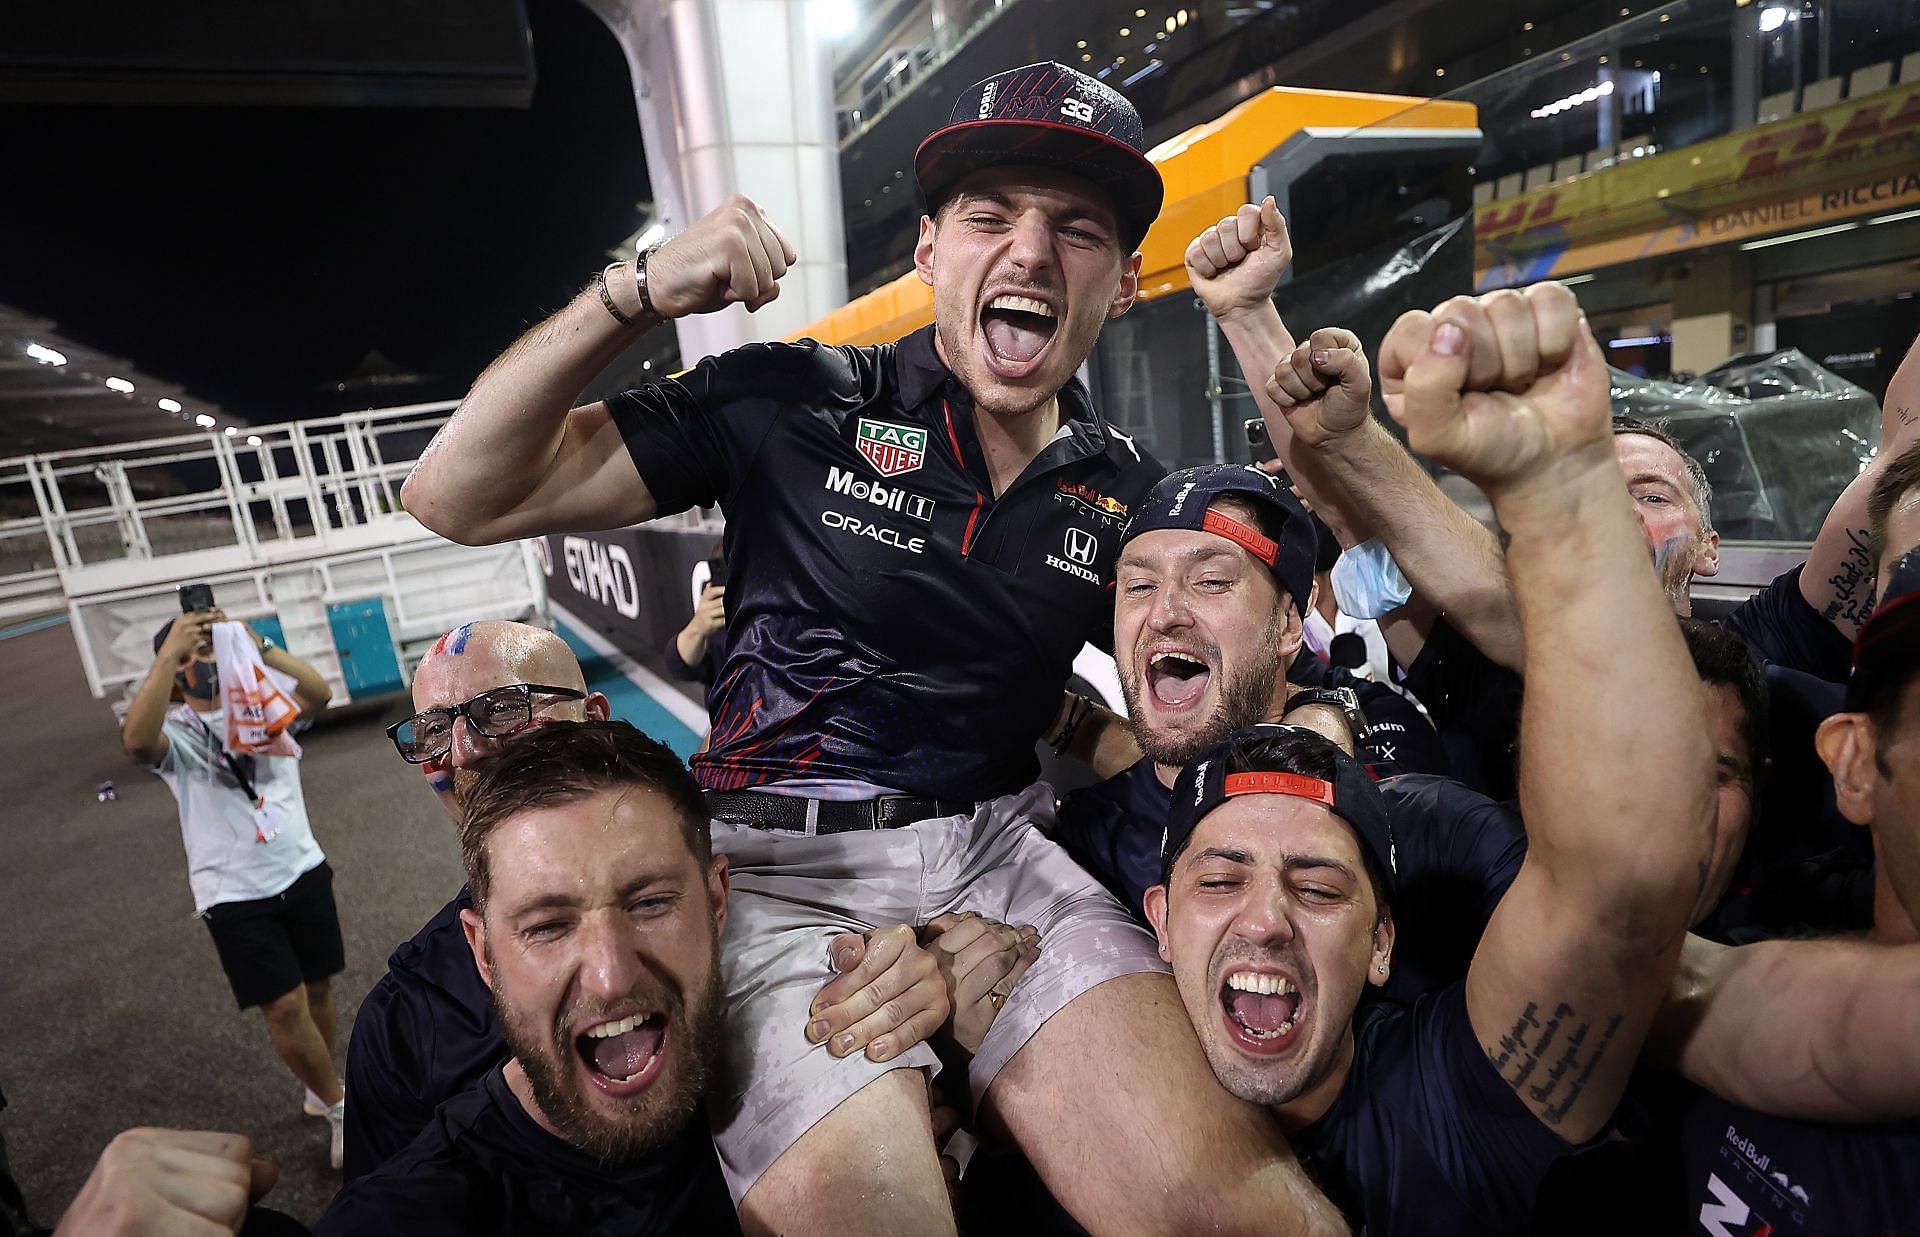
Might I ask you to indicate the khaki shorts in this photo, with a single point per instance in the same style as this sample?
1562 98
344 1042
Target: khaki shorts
792 894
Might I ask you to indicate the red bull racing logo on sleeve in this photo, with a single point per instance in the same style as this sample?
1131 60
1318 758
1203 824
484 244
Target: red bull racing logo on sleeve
891 449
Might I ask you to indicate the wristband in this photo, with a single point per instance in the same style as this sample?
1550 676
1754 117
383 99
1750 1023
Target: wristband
1077 712
640 280
606 297
1344 699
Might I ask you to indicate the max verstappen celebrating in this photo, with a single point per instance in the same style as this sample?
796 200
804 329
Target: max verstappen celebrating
921 536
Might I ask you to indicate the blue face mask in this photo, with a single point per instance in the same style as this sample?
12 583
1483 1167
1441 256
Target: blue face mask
202 684
1367 583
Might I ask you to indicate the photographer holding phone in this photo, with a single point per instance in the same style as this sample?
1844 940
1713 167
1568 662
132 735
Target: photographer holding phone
260 881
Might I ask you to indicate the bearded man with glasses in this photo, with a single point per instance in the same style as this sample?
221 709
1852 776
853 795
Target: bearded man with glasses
428 1029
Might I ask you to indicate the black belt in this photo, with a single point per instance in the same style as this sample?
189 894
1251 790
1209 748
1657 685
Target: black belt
759 810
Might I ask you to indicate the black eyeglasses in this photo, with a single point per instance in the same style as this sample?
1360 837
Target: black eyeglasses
496 714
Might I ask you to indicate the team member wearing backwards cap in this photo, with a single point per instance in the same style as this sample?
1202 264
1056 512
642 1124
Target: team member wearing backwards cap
1214 576
1443 1116
921 536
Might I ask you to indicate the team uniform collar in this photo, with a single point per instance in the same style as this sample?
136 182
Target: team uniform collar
922 378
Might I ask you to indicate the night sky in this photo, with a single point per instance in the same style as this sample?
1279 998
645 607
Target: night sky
255 255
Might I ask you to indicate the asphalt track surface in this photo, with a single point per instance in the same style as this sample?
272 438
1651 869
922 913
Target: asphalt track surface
113 1010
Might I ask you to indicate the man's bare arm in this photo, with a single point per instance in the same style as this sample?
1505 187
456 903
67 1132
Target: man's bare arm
310 688
517 459
1314 398
142 732
1450 560
1234 267
1838 580
1735 1022
1102 740
1615 769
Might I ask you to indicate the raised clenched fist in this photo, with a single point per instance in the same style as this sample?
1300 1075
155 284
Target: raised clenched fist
1505 388
1323 387
1235 264
730 255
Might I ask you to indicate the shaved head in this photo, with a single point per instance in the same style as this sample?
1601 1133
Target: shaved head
478 657
496 649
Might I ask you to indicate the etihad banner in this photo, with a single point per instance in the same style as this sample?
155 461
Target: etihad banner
632 585
1855 158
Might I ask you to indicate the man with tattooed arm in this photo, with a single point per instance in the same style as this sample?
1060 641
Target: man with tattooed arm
1443 1116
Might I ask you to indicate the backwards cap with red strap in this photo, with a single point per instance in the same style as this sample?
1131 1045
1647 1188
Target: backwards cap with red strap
1351 795
1183 500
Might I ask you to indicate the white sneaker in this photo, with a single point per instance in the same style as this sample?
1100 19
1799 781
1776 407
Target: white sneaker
313 1105
337 1118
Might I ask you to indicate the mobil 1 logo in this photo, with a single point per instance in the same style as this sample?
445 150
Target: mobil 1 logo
892 497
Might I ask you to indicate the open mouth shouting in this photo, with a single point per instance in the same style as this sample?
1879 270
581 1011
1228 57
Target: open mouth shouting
1262 1011
1177 678
623 1056
1017 328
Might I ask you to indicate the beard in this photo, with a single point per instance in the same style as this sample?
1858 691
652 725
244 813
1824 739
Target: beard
1673 562
649 1120
1245 699
464 780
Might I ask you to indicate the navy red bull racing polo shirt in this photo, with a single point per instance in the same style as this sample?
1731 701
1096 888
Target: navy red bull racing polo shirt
890 622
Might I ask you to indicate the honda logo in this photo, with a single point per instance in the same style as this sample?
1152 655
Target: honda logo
1082 546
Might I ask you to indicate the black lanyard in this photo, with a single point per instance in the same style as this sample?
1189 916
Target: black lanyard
233 766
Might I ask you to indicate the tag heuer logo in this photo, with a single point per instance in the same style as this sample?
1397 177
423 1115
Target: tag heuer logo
892 449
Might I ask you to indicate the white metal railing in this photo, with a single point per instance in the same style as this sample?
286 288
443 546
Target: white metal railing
140 500
268 492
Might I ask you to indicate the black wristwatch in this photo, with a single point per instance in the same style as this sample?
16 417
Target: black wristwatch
1344 699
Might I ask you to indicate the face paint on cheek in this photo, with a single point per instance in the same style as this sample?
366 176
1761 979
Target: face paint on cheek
1665 551
439 775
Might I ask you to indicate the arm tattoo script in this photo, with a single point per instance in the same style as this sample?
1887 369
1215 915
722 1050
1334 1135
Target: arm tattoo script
1566 1045
1853 583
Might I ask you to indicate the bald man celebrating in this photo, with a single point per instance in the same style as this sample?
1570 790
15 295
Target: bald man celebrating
428 1029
